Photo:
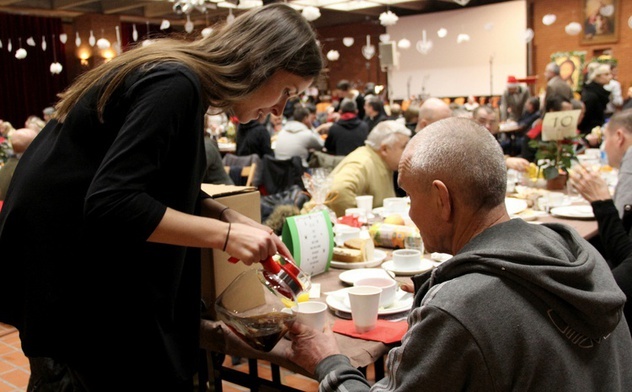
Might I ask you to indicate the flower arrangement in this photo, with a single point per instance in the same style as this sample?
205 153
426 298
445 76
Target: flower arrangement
554 157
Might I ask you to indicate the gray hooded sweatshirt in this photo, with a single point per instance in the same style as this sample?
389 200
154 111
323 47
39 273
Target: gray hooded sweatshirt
521 307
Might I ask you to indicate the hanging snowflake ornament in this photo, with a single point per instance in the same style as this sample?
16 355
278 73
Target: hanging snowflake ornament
403 43
30 41
310 13
348 41
92 39
424 45
388 18
20 54
528 35
333 55
9 46
165 24
134 33
44 43
549 19
368 50
442 32
77 40
63 38
462 38
188 26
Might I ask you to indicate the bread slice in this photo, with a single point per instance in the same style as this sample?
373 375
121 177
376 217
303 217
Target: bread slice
364 245
347 255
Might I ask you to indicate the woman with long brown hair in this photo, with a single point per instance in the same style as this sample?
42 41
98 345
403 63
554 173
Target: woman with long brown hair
101 227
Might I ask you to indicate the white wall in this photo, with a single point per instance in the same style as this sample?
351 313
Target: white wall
452 69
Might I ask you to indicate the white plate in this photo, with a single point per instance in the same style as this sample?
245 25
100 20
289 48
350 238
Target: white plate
424 265
515 206
349 277
378 257
577 212
339 300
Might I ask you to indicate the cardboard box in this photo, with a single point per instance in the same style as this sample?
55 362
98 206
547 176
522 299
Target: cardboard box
217 271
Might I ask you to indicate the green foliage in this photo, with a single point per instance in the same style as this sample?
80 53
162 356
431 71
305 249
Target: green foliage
555 155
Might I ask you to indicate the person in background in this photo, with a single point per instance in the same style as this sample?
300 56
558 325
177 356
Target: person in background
35 123
297 138
348 133
396 113
486 116
471 103
48 113
553 103
368 170
375 113
616 98
101 229
431 110
346 90
411 116
530 115
475 317
555 85
627 103
595 97
215 172
613 213
253 138
513 100
20 140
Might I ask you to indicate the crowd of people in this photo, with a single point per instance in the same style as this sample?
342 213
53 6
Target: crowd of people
119 231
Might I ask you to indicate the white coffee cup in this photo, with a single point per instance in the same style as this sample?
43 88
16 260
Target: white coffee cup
406 259
365 202
395 205
388 286
311 313
365 303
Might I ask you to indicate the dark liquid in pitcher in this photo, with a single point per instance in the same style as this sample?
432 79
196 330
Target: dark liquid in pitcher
262 332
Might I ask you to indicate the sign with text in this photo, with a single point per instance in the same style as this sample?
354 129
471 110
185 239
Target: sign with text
310 239
560 125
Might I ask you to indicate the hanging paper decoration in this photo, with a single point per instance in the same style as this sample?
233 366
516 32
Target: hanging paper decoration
573 28
9 46
165 24
310 13
30 41
403 44
63 37
384 38
424 45
188 26
333 55
55 67
230 18
77 40
92 40
607 10
0 44
462 2
20 53
134 33
103 43
549 19
348 41
44 43
368 50
462 38
388 18
442 32
528 35
207 31
118 45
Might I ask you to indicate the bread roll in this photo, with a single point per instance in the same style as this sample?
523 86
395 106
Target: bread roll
347 255
364 245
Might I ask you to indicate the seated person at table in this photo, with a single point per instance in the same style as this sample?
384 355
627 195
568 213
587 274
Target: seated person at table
253 138
297 138
552 103
486 116
20 140
613 214
369 169
432 109
540 314
349 132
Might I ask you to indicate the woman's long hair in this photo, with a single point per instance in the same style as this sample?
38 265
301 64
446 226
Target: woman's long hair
231 63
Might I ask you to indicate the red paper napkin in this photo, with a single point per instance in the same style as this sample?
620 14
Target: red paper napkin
385 331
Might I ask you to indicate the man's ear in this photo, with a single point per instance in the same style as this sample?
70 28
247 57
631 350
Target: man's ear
441 195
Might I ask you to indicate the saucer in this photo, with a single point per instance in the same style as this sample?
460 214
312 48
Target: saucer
423 266
378 256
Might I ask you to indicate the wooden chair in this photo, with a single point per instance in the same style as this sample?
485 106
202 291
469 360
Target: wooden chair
247 172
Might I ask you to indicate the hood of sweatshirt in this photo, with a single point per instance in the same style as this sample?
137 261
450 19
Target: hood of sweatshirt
552 262
349 123
295 127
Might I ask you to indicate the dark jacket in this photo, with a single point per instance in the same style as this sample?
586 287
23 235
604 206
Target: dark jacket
345 136
596 98
253 138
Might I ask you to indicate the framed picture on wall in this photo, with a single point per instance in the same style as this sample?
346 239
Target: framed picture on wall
601 21
571 66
